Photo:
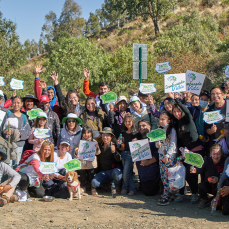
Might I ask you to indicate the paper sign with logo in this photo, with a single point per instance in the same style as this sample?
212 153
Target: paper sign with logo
140 150
212 117
162 67
109 97
194 82
72 165
194 159
227 71
42 133
227 111
156 135
175 82
16 84
147 88
33 113
87 150
48 167
2 116
2 83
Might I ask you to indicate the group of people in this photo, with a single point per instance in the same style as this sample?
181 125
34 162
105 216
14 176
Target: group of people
67 122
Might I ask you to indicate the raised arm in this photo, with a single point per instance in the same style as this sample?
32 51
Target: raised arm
86 89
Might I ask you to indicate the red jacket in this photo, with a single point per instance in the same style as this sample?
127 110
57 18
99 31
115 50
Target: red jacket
86 89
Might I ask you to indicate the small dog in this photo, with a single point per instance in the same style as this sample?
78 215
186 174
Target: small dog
73 185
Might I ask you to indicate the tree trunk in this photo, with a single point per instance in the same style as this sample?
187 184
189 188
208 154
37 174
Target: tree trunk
154 18
156 27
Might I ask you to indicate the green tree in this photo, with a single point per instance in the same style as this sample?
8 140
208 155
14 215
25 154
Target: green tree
28 48
154 9
41 46
94 24
70 20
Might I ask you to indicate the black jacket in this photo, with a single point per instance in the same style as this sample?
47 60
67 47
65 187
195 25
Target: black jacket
106 159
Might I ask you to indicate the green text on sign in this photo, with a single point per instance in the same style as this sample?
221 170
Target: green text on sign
109 97
73 165
33 113
194 159
156 135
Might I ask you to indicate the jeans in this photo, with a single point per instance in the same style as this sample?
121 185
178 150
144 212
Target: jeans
112 175
128 181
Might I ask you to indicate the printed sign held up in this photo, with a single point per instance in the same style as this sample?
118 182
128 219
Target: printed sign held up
87 150
2 83
194 82
109 97
41 133
147 88
194 159
162 67
72 165
140 150
33 113
156 135
16 84
175 82
212 117
48 167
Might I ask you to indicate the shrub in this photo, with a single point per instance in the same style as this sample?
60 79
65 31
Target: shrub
209 3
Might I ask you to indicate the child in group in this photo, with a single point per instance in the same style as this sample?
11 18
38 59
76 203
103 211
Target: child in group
88 168
129 133
167 153
41 123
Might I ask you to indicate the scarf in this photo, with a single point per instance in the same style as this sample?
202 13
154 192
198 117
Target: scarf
52 103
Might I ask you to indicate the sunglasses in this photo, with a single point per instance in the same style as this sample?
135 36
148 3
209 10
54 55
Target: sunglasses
69 121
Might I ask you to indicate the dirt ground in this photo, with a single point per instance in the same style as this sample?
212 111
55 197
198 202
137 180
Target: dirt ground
103 211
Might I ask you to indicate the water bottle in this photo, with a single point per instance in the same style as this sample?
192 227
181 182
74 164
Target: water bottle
113 190
119 140
165 150
213 208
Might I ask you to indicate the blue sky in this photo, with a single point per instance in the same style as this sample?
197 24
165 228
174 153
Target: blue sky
30 14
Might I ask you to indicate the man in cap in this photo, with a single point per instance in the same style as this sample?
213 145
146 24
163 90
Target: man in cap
7 187
107 162
53 119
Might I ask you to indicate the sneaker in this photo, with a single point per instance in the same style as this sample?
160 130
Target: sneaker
3 201
94 192
123 192
194 198
203 203
131 193
179 198
163 202
13 198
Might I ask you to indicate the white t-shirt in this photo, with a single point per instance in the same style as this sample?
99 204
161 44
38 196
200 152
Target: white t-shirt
60 162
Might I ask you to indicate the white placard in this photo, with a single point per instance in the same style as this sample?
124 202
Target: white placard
2 83
227 111
212 117
227 71
175 82
194 82
87 150
48 167
2 116
147 88
162 67
41 133
140 150
16 84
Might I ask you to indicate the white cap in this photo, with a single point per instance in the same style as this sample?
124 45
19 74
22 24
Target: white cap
134 99
42 115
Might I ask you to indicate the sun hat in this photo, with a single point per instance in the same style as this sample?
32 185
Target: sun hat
73 116
107 130
120 98
42 115
65 141
44 98
134 99
30 97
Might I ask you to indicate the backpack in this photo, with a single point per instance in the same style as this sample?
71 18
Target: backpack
23 116
25 155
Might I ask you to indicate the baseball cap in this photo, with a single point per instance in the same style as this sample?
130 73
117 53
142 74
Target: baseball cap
42 115
64 141
44 98
134 99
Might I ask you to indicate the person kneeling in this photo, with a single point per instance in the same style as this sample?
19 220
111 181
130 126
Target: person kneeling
7 187
107 162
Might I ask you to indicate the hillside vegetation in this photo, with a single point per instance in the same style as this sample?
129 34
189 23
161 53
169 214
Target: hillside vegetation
194 36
